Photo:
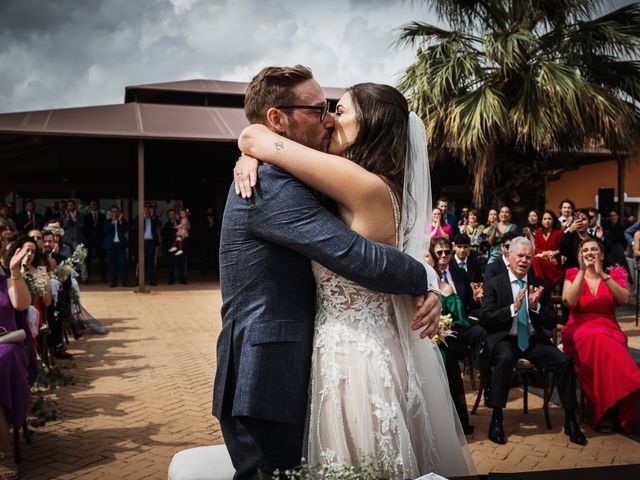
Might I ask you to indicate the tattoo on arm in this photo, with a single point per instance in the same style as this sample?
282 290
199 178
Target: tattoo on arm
279 145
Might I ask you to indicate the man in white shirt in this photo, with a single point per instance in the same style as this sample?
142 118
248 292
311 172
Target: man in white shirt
515 312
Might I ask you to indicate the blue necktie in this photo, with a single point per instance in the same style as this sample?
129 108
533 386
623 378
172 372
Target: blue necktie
463 265
445 278
523 324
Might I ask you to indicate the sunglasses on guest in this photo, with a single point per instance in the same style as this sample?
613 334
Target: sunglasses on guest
441 253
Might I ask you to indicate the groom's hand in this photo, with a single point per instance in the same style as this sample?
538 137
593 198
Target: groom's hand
427 314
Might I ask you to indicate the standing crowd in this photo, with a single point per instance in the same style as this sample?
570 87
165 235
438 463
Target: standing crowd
497 283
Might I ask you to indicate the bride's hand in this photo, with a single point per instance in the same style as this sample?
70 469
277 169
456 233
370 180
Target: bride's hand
245 175
427 314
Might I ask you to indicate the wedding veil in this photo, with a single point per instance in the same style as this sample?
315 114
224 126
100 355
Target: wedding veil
429 401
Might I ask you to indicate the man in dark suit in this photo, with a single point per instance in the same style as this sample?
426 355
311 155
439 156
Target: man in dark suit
115 244
464 259
268 290
515 312
29 219
94 235
152 227
500 265
469 335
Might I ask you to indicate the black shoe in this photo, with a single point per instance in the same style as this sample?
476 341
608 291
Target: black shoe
183 282
496 432
154 284
62 355
572 429
113 285
171 282
468 430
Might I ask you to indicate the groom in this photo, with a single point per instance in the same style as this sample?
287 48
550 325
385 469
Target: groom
264 348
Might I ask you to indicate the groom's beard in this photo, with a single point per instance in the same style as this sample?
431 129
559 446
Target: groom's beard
317 138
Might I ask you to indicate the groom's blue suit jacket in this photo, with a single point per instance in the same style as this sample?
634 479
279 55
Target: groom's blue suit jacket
268 292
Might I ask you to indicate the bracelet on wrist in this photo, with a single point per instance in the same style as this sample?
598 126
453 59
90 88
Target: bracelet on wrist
16 277
608 278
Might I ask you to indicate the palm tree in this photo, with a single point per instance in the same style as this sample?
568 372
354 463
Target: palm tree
515 83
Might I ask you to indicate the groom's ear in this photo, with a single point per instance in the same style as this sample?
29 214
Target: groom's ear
277 121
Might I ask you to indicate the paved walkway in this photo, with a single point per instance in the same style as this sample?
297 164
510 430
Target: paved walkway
143 392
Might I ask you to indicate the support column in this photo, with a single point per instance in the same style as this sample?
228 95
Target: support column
141 269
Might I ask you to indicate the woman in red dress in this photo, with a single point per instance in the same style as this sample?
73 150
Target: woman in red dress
593 339
546 262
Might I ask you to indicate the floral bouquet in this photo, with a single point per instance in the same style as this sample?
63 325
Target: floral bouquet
445 330
38 284
68 266
79 255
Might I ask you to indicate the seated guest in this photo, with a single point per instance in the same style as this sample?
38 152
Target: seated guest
465 259
547 264
451 305
15 357
502 265
608 374
516 310
438 229
497 232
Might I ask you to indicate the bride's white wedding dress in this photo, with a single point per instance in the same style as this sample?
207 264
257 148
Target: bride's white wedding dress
377 389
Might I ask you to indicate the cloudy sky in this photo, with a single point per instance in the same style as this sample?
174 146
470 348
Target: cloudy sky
61 53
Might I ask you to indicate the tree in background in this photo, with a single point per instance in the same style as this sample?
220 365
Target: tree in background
512 84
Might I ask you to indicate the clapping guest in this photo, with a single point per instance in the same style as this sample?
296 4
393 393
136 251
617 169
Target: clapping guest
547 264
516 311
497 232
473 229
438 229
592 337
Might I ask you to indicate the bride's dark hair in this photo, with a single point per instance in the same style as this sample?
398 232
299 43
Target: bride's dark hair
382 114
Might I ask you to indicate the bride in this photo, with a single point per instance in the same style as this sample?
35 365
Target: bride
377 390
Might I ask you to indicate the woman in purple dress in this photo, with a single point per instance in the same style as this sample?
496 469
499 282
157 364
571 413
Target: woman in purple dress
14 358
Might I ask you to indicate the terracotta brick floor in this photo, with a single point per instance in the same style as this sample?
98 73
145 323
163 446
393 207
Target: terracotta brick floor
143 392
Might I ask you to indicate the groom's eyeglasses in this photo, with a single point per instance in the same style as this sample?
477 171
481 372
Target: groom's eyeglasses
323 109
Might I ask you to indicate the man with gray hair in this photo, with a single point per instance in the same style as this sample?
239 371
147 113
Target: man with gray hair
516 311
